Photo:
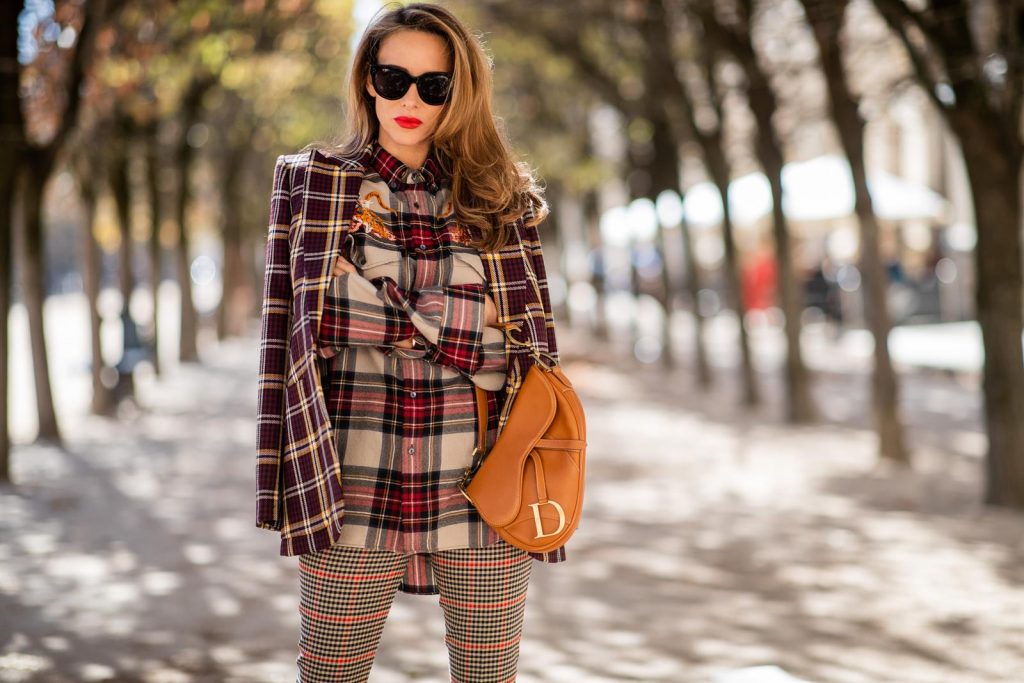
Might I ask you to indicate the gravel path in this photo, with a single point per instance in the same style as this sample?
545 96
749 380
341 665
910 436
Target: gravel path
712 541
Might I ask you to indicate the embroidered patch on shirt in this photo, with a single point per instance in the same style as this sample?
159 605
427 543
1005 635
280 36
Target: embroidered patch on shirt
366 219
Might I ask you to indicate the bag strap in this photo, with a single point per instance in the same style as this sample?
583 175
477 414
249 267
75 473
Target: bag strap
481 412
478 451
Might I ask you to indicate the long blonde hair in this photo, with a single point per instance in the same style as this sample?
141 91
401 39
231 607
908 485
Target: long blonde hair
490 187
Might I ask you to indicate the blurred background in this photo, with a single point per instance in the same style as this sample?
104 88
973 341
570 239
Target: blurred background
785 259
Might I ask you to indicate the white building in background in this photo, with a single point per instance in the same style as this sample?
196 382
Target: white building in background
911 139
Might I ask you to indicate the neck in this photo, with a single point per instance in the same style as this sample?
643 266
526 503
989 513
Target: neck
412 156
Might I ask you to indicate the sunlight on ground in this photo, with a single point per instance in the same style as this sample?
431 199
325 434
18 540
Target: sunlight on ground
715 547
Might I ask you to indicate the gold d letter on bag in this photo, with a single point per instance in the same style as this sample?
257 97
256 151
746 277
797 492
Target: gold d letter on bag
536 518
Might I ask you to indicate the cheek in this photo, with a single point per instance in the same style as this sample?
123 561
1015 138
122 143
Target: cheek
435 120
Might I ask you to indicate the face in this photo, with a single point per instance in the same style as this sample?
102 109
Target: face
417 52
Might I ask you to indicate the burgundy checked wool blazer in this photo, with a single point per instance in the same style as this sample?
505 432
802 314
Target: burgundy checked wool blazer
315 194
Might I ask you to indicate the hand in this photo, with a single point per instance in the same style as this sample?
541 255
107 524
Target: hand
343 266
490 312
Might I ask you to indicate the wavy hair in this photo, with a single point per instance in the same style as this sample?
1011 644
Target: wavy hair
490 187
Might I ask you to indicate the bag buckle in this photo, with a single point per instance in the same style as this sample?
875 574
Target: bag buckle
468 472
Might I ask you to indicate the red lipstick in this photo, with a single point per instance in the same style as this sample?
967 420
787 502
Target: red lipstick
407 121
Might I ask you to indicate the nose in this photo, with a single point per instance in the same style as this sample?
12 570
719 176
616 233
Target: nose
412 96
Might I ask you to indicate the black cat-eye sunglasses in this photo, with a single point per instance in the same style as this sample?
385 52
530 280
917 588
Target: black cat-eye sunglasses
392 82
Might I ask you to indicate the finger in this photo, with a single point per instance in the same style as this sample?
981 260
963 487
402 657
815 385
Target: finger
341 266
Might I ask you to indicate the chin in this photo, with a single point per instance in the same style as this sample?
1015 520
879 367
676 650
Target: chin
407 137
413 140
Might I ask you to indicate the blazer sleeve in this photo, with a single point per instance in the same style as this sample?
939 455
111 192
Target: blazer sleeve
274 336
532 238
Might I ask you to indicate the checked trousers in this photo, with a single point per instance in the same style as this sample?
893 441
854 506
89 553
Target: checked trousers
345 595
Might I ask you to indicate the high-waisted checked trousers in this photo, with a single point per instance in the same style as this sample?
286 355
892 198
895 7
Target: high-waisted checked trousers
345 594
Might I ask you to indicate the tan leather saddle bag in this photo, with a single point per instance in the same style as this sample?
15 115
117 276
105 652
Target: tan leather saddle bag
529 486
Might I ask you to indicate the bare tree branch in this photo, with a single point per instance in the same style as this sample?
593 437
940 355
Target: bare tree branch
1012 27
569 45
894 17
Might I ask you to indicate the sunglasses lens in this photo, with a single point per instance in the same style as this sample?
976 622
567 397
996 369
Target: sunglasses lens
434 89
390 84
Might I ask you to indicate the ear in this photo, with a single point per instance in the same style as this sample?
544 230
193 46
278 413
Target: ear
369 87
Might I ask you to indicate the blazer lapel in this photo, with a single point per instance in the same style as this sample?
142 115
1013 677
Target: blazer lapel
330 199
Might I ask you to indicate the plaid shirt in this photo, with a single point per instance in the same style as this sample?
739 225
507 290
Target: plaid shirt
317 214
405 419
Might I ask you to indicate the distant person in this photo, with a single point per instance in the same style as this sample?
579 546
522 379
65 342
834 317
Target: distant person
759 280
822 292
380 317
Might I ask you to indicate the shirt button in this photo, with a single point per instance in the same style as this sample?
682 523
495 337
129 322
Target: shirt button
393 185
422 247
412 449
416 205
413 394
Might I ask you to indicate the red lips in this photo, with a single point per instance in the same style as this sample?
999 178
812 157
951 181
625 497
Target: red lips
407 121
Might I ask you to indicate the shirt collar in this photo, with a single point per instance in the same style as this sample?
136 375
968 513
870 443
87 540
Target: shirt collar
396 173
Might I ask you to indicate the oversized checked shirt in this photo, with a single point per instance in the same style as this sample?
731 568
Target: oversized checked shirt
404 420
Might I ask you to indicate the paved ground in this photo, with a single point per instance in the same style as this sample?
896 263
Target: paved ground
712 541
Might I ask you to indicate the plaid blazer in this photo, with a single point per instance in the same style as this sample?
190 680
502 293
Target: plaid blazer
314 197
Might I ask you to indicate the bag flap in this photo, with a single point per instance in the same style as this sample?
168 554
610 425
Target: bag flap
497 486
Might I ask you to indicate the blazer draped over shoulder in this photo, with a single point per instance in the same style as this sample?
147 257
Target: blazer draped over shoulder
314 197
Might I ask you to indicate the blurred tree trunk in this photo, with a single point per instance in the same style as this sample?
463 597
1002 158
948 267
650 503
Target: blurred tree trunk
710 140
736 41
594 246
247 266
36 168
826 20
235 293
235 299
190 115
719 171
92 261
119 149
984 113
12 146
995 191
6 266
102 399
664 170
554 238
151 145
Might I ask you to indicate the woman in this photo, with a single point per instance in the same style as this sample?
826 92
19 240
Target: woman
404 269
